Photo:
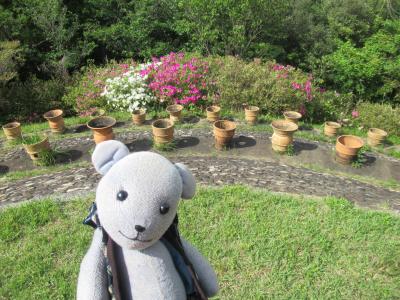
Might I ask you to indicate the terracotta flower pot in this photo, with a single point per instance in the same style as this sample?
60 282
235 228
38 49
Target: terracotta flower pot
292 116
347 147
138 116
283 134
56 121
251 114
331 128
224 131
33 150
213 113
163 131
12 131
175 112
376 136
102 128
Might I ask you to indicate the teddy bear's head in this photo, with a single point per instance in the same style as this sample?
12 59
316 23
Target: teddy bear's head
137 197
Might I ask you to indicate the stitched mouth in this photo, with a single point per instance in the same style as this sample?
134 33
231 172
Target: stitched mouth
136 238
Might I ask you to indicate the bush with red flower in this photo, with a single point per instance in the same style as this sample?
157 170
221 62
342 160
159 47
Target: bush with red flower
175 78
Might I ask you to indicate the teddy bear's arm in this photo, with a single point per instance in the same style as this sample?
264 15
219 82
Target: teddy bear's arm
206 274
92 281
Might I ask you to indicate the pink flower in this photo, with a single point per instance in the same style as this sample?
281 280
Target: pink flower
296 86
302 110
277 67
307 89
176 79
355 114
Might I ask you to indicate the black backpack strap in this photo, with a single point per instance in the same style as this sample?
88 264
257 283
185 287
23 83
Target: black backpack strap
173 237
112 270
92 219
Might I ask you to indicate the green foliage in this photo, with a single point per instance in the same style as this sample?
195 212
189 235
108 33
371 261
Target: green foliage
290 151
46 158
370 72
165 147
244 28
357 40
10 60
360 159
30 98
381 116
330 105
238 82
32 139
274 88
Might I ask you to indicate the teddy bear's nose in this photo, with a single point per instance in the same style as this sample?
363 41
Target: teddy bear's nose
139 228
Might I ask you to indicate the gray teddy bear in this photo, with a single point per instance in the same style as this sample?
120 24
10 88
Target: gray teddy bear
136 251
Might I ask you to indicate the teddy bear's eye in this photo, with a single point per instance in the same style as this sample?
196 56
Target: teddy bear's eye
122 195
164 208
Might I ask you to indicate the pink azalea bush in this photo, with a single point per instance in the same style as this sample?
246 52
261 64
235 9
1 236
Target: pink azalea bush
175 78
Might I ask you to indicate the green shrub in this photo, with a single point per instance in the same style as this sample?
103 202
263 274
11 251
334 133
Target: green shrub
238 82
371 72
381 116
31 98
274 88
331 106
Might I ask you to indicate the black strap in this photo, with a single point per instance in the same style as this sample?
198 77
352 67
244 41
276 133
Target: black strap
116 291
173 237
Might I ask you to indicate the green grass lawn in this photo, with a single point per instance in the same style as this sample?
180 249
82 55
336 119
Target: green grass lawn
262 246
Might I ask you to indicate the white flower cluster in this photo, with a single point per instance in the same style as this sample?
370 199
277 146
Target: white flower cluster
129 91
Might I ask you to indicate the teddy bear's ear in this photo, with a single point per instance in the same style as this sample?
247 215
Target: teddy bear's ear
106 154
188 181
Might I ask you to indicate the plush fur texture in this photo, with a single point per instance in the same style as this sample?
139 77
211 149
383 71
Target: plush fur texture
130 197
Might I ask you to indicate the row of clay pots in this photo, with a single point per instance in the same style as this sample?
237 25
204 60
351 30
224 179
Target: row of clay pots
13 131
375 136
